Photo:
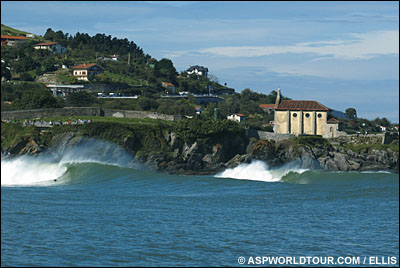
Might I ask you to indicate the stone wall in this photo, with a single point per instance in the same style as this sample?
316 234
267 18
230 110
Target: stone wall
273 136
140 114
264 135
67 111
383 138
84 111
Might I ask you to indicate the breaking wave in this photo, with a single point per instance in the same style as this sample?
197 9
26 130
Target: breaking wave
93 161
53 168
28 171
259 171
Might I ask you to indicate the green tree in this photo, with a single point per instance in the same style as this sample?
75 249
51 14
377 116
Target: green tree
36 99
5 72
50 35
165 69
25 77
351 113
80 99
146 103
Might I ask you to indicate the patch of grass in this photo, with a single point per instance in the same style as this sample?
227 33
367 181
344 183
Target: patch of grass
121 78
14 133
311 140
135 121
7 30
364 147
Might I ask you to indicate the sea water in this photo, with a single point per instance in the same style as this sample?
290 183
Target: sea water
79 210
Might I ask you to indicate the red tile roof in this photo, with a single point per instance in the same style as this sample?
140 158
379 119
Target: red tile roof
241 115
333 121
263 106
12 37
169 84
84 66
47 44
301 105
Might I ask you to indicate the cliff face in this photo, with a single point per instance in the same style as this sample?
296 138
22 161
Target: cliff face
164 150
324 156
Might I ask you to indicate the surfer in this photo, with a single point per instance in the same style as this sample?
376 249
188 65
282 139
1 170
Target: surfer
55 179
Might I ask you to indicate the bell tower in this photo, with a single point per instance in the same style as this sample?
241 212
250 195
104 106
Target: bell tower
278 98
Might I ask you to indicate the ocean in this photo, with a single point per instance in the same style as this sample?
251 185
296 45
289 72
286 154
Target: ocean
77 209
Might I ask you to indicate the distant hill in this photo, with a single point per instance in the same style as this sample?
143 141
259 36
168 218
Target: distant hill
6 30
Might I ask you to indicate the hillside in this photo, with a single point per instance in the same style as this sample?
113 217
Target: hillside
133 73
25 71
6 30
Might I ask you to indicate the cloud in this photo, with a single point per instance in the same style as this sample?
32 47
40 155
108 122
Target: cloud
357 46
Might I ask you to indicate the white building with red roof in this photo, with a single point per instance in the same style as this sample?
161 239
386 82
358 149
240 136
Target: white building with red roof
169 86
304 117
267 107
82 71
237 117
9 40
54 47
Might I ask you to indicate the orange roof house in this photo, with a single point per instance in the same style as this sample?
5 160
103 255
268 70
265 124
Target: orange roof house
267 107
9 40
170 86
237 117
54 47
82 71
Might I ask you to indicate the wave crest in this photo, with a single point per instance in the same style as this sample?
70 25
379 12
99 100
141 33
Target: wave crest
259 171
27 171
44 169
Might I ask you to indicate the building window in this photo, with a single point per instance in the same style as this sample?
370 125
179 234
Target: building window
307 115
331 129
319 115
294 115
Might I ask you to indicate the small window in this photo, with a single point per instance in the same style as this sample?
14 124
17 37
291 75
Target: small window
294 115
331 129
319 115
307 115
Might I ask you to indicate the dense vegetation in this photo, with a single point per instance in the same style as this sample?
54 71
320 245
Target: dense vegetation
144 137
136 73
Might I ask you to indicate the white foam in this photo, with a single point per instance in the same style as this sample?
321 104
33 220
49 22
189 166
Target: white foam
29 171
259 171
44 169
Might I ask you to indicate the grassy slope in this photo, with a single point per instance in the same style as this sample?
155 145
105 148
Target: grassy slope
6 30
144 121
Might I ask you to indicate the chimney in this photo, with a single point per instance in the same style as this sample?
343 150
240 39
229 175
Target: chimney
278 98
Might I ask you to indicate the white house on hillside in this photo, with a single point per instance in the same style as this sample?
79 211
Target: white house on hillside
199 70
237 117
54 47
82 71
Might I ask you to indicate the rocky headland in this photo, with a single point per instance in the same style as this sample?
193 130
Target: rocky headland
179 150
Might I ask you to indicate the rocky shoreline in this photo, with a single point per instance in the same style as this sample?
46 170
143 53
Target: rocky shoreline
199 158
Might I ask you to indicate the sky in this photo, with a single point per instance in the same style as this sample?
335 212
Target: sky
341 54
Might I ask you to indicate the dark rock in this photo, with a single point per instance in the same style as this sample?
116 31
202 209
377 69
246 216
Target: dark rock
239 159
188 150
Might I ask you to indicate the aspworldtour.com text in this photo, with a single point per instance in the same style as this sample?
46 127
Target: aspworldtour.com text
318 260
